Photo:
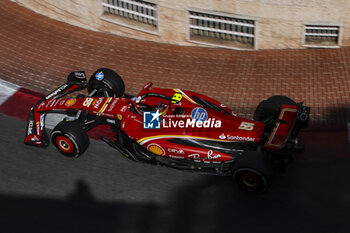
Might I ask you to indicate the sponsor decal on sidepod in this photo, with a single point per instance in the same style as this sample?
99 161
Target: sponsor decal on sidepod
236 138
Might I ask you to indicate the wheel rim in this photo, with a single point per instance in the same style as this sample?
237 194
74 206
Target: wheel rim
250 180
103 89
64 144
104 92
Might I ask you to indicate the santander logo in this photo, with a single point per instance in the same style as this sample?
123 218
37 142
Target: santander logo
236 138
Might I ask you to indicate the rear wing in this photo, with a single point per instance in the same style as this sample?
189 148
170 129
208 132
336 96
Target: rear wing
291 119
36 133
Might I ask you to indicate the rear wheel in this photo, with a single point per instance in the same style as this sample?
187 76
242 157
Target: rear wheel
70 139
106 83
268 109
253 172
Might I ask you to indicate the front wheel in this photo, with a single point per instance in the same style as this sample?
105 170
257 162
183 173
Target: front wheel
105 82
70 139
253 172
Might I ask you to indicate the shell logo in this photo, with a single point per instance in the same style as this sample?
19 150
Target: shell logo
156 149
70 102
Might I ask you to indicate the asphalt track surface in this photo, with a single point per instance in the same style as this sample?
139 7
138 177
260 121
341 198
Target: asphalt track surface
101 191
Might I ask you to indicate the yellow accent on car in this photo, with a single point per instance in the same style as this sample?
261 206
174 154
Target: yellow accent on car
70 102
184 95
144 140
104 105
177 97
272 135
156 150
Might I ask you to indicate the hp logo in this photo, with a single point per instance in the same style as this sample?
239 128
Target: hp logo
199 114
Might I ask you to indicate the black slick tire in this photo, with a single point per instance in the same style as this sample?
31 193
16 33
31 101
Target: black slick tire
253 172
105 82
70 139
271 107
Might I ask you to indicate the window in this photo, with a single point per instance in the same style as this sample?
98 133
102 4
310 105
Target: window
321 35
136 14
221 30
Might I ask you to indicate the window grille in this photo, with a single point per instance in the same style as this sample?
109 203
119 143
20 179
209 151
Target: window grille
221 30
321 35
131 13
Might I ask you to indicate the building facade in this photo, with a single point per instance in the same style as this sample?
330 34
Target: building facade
233 24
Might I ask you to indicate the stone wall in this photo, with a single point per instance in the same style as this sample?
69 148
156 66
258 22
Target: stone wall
279 22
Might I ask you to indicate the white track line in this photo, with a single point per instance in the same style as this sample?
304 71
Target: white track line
8 89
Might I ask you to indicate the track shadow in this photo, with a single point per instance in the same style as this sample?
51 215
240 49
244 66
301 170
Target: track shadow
335 115
79 213
310 197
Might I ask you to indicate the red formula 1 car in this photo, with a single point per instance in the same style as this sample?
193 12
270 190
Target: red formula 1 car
172 127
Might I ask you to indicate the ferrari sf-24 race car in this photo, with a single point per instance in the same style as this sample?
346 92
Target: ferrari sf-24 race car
172 127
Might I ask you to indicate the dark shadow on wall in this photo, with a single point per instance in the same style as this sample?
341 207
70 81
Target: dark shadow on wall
319 116
337 115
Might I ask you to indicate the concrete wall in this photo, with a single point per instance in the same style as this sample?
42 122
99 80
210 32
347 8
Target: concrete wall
280 22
